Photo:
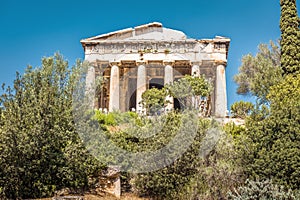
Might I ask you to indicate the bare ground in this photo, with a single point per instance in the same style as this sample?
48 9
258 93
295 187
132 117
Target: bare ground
126 196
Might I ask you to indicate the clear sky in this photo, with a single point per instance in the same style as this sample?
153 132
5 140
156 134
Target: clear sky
32 29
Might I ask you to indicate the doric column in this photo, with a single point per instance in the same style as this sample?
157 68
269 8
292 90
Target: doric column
114 88
90 86
221 98
141 86
195 70
169 78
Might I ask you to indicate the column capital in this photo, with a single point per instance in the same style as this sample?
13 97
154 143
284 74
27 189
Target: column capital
114 63
171 63
220 62
196 63
138 63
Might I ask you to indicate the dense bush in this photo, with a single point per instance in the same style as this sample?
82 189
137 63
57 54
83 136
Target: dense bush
272 138
261 190
241 109
40 151
205 170
114 118
167 182
153 100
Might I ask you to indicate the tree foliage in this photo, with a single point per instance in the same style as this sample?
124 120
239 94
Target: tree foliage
241 109
204 170
273 138
40 151
189 90
269 145
258 73
272 135
207 169
190 86
154 100
257 190
167 182
290 37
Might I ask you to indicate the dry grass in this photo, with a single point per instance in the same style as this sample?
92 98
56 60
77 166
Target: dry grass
126 196
123 197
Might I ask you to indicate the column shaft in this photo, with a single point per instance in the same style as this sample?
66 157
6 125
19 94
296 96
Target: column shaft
221 98
196 73
114 89
90 86
169 78
141 87
195 70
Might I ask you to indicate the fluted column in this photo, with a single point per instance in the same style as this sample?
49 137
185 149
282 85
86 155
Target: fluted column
195 73
169 78
141 87
90 86
221 97
195 70
114 89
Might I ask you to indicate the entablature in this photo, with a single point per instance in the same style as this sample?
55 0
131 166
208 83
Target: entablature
108 47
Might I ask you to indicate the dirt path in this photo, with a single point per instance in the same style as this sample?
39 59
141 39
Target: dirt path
126 196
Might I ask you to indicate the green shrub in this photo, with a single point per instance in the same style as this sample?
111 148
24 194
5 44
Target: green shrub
40 150
241 109
114 118
261 190
195 174
191 176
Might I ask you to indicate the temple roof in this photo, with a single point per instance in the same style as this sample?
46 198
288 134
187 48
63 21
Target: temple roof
152 31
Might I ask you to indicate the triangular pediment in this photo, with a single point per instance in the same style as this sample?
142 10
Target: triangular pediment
151 31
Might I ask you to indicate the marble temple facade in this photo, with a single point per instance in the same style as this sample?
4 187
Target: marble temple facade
135 59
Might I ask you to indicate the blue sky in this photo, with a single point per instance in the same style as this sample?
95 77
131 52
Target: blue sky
30 30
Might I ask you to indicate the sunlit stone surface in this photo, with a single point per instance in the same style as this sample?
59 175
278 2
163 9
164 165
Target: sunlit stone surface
131 60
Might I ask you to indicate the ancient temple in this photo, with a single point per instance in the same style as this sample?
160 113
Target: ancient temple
135 59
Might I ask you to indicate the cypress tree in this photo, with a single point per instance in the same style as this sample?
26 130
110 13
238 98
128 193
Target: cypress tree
290 37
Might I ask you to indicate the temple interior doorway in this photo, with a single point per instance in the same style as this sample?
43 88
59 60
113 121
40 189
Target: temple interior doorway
177 105
132 93
156 83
